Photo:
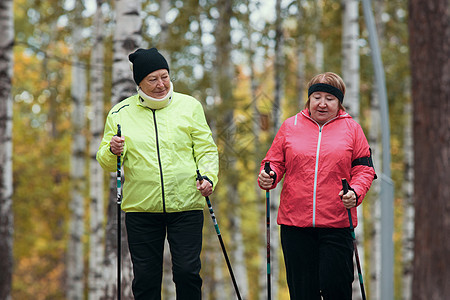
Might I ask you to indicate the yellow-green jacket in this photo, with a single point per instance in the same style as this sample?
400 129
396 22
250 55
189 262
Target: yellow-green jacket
163 149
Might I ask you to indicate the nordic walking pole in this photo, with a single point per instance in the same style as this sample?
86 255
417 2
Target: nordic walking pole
119 218
358 264
222 245
269 293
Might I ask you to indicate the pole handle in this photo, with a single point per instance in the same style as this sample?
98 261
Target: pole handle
119 130
199 176
119 134
345 188
268 169
344 185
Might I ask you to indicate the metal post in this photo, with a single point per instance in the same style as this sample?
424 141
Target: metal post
387 187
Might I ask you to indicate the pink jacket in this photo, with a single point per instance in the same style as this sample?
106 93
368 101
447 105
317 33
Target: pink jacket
313 160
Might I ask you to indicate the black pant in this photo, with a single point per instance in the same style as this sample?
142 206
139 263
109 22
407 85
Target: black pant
146 236
319 262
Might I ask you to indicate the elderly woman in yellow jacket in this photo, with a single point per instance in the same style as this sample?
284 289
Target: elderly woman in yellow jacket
165 139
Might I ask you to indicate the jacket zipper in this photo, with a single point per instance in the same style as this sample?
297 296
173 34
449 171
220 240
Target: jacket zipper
159 161
316 169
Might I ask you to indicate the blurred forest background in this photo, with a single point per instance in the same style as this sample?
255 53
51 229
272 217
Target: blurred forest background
63 64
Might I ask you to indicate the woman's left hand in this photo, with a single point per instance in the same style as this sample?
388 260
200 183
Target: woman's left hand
349 199
205 187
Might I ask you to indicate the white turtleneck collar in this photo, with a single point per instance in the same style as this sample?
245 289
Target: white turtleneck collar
155 103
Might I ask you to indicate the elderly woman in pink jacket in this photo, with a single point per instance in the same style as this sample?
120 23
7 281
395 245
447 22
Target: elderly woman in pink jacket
313 151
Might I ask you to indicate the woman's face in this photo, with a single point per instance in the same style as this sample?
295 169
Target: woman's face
323 107
156 84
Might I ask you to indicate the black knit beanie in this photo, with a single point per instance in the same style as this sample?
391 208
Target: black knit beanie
146 61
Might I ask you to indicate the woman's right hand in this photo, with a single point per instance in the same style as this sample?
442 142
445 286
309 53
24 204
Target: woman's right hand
266 181
116 144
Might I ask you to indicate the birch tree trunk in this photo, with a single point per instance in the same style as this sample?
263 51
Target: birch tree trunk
212 258
350 73
210 253
373 290
127 38
408 204
220 292
164 35
258 152
301 60
318 43
75 255
96 204
239 263
350 56
231 179
168 286
429 40
275 248
6 184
